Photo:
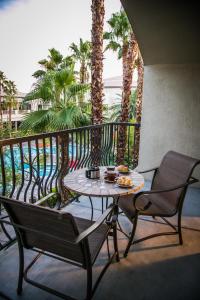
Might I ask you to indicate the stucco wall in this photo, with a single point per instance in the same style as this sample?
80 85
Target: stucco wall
171 113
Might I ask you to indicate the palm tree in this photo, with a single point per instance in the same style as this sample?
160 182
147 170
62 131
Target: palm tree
54 61
82 53
60 91
115 109
2 83
10 90
140 68
122 39
98 13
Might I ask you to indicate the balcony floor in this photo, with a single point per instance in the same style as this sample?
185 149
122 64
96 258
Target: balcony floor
155 269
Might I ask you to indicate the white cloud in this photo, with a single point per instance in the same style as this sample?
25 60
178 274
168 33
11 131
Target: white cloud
30 27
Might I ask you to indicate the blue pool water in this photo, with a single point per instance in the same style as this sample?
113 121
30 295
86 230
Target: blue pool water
17 158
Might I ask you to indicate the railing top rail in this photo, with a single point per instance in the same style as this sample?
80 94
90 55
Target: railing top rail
27 138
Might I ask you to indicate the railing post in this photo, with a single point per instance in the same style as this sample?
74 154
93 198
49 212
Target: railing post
64 157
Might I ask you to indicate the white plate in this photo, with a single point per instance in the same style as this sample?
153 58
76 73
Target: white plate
125 172
109 181
125 186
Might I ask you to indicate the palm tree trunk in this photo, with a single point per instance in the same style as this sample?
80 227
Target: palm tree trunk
138 110
124 62
82 73
98 12
125 110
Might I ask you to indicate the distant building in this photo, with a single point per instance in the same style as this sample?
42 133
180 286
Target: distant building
113 89
19 110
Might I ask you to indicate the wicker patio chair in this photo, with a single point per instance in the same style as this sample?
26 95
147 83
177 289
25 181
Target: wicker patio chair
59 235
165 199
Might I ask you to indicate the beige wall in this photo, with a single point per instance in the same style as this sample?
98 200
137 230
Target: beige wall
171 113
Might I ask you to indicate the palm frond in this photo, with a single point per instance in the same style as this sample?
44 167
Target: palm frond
36 121
39 73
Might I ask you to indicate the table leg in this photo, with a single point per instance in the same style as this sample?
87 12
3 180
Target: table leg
102 205
92 209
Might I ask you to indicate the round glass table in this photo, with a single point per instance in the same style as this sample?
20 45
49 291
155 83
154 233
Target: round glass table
76 181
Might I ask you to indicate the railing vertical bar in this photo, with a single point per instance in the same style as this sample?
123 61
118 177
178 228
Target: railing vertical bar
108 145
3 171
36 169
72 151
128 142
30 170
51 164
80 150
110 142
88 156
84 148
77 148
44 167
56 165
104 127
13 171
22 169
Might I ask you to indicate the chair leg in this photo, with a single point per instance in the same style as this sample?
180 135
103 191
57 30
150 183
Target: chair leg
131 236
89 283
21 268
179 229
115 242
108 248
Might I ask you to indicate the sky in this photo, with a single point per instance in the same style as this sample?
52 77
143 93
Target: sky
30 27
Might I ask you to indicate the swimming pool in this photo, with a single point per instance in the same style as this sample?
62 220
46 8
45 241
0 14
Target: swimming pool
38 167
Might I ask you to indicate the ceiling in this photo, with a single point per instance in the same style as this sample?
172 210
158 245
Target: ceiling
168 32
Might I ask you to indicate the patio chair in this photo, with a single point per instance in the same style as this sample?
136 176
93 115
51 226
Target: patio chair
165 199
61 236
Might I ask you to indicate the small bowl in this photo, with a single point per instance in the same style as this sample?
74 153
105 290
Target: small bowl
111 168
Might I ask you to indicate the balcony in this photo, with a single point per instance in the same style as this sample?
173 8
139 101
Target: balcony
32 167
16 115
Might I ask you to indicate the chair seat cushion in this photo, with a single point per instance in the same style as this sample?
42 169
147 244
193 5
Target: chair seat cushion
159 207
96 239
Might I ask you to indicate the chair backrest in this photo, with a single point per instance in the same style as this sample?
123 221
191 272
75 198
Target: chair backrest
175 169
45 226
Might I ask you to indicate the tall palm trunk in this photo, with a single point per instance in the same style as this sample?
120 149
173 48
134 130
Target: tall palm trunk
83 80
10 116
98 13
138 109
83 71
127 82
124 62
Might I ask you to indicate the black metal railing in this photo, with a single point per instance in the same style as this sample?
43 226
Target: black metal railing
33 166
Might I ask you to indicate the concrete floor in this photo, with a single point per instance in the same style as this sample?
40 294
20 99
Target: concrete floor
155 269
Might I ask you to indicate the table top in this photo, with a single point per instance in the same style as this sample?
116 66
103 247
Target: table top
76 181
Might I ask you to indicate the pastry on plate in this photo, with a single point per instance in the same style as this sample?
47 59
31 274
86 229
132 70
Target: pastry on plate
122 168
124 181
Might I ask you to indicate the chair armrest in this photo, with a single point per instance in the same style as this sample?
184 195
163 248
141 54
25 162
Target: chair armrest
146 171
42 200
95 225
173 188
